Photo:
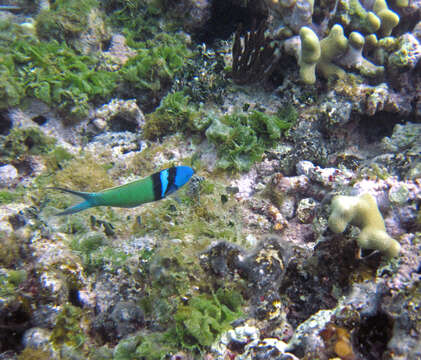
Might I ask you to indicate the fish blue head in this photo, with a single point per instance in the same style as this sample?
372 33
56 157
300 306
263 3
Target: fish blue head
183 175
174 178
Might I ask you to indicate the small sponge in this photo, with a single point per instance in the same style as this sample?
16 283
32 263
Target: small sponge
362 211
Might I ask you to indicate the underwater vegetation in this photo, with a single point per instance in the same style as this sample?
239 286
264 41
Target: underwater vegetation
205 317
67 328
175 113
52 70
195 326
84 174
20 143
154 67
138 20
241 139
263 254
64 20
53 73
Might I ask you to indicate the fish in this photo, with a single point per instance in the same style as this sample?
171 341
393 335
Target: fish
152 188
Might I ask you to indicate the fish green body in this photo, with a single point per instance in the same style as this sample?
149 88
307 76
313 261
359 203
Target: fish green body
129 195
136 193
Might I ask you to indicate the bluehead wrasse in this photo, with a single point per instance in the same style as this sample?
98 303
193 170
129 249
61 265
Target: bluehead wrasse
151 188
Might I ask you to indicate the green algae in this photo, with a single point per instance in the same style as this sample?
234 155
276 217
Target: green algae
154 346
57 158
108 259
143 164
196 325
167 276
67 330
50 71
9 283
22 142
84 174
7 197
136 19
56 75
205 317
10 247
86 246
171 281
175 113
156 64
204 217
34 354
65 20
241 138
99 254
11 88
53 72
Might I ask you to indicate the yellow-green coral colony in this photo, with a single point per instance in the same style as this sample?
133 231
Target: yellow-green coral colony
362 211
389 19
324 55
309 55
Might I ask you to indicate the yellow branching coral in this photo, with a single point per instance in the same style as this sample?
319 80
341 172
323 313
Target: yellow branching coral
362 211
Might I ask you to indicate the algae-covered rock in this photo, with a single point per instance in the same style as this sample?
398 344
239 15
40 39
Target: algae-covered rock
405 141
408 54
241 138
206 317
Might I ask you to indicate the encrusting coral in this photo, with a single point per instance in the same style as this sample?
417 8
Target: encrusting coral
363 212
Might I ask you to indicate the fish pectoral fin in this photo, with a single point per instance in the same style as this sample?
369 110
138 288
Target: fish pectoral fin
172 188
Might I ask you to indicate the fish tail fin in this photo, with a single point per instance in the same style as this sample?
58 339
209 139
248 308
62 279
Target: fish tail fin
88 197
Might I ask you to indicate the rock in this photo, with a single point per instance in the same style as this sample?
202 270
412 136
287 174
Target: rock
8 175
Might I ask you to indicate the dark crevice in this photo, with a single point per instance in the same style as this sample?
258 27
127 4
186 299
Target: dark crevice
40 119
106 44
376 127
13 324
120 123
373 335
5 124
227 15
74 298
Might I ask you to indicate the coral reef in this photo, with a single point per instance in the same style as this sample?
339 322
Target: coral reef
298 237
